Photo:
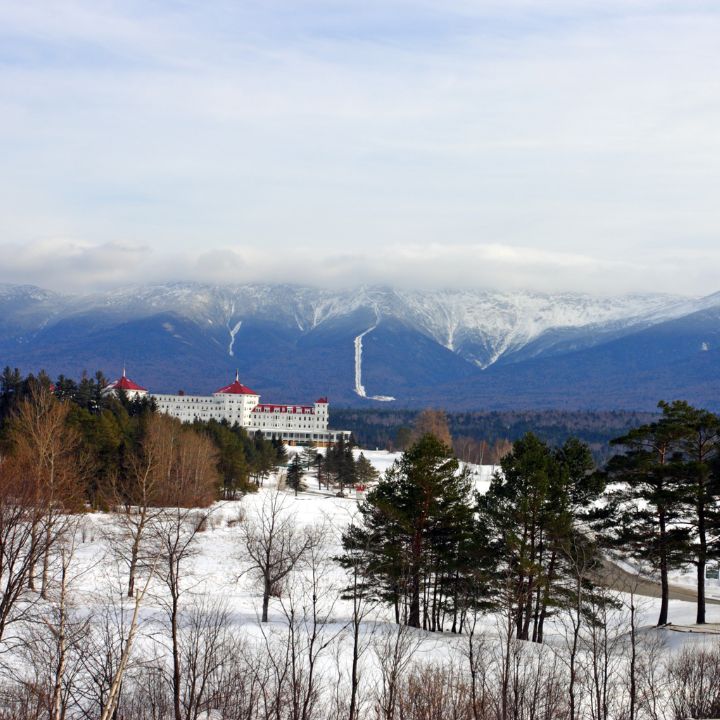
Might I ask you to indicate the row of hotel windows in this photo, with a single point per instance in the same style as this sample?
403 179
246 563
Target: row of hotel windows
164 406
198 399
275 423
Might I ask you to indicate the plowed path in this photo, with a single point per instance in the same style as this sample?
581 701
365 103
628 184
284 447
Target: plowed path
618 578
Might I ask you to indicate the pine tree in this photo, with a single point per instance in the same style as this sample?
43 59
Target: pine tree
340 464
308 455
295 474
320 471
281 454
417 536
365 472
645 514
11 385
531 512
233 464
347 475
699 444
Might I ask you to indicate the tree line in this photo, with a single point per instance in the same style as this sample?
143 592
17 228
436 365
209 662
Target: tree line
432 546
483 437
336 468
107 437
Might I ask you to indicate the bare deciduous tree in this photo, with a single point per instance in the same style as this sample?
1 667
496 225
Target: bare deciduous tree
207 646
47 454
52 636
308 606
394 649
21 543
127 644
176 531
274 544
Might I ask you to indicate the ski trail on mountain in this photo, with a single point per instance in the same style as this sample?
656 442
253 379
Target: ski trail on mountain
233 332
359 387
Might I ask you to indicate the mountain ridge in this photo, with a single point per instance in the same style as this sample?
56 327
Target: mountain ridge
362 346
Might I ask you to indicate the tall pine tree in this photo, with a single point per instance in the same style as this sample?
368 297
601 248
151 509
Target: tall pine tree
645 516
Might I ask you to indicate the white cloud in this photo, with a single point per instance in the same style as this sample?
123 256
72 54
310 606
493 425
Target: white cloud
62 264
512 142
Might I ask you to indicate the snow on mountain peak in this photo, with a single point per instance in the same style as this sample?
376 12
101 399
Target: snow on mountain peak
482 326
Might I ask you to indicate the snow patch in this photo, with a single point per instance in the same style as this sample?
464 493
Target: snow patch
233 332
359 387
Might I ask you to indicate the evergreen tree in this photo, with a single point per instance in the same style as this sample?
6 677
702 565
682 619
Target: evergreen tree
340 464
365 472
295 474
65 388
11 389
308 455
531 513
417 536
263 457
347 476
281 454
699 444
644 516
320 471
233 466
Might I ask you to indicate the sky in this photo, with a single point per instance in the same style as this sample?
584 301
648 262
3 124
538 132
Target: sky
545 145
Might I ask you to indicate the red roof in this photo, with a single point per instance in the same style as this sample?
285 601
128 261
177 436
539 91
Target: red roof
235 388
321 401
125 383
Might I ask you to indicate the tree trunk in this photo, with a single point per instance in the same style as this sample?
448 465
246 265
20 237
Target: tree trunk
546 596
175 653
702 559
133 568
664 585
110 709
353 672
633 660
33 555
57 708
266 600
135 552
414 615
46 562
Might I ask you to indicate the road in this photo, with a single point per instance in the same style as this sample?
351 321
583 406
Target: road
617 578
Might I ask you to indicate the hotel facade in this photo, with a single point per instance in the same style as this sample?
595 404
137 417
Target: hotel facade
236 403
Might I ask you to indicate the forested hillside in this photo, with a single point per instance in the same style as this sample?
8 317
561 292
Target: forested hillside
482 437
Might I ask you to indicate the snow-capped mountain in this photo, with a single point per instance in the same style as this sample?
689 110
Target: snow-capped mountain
364 345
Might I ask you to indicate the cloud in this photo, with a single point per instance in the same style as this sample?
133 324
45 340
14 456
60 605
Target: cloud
66 264
71 265
494 142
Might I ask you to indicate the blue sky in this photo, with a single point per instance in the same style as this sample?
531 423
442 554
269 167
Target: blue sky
551 145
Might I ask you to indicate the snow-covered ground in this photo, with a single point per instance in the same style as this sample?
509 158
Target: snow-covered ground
217 567
215 575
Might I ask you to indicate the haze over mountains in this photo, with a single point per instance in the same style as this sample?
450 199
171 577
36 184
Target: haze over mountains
457 349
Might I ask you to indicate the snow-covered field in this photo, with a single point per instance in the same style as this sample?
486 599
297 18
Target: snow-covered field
216 577
217 566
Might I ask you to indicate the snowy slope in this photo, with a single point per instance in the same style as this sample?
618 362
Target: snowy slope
370 344
481 325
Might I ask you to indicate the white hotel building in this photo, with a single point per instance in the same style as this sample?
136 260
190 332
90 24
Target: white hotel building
236 403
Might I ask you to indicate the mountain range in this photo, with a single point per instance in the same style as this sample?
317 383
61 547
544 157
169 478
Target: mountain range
377 346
